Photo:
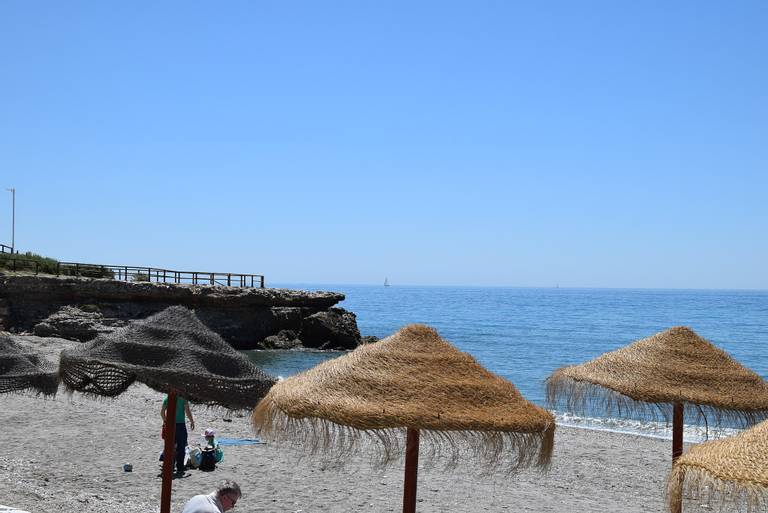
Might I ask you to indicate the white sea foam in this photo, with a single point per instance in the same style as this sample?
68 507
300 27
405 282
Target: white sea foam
651 429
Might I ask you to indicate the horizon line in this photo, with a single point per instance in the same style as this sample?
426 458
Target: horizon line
569 287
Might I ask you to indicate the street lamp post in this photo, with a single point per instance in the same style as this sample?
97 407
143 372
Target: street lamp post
13 220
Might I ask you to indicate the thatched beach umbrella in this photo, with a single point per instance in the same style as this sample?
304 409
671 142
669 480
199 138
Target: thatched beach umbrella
22 370
174 353
733 468
672 370
414 381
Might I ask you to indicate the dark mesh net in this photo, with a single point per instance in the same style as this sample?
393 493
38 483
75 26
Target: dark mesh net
169 351
22 370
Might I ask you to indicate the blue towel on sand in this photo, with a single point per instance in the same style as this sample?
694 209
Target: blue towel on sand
239 441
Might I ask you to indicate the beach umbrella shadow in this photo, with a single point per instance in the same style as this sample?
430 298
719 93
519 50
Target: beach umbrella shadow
412 381
662 376
173 353
733 469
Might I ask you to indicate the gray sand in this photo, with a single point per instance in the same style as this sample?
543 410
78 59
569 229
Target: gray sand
66 454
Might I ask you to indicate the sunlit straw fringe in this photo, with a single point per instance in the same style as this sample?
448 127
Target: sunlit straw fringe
690 482
585 398
498 451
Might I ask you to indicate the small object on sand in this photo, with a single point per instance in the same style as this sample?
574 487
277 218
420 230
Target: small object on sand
127 467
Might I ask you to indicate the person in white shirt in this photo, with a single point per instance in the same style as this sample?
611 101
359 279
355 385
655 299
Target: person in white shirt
222 499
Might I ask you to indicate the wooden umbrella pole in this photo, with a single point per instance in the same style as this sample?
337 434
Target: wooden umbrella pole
170 436
677 445
411 470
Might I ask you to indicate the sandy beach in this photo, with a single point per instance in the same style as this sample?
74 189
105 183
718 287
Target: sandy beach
66 454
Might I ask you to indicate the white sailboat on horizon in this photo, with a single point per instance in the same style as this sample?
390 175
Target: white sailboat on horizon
386 281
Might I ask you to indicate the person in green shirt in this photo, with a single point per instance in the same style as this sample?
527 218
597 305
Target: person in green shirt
182 407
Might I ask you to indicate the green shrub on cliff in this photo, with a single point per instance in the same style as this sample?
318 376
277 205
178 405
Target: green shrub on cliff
32 262
26 262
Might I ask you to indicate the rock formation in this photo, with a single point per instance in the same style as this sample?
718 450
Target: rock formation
335 328
73 323
247 318
285 339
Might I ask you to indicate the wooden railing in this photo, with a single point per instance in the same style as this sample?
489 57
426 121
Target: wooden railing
6 249
133 273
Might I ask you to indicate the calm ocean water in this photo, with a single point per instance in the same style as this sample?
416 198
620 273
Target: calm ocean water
523 334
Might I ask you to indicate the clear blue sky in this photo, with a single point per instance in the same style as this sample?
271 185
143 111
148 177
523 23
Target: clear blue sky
599 144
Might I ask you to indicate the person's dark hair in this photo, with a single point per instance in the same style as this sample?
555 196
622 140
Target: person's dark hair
228 487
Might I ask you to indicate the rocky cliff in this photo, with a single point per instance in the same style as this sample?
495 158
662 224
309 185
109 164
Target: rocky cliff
247 318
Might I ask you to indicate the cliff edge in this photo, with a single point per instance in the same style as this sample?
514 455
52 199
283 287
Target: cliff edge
247 318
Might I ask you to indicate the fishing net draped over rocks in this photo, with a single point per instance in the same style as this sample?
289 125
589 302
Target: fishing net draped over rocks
648 376
412 379
169 351
733 470
23 370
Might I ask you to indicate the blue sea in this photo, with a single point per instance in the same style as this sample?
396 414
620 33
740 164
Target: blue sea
523 334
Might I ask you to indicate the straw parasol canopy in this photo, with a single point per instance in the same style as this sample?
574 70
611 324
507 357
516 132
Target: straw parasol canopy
731 469
171 351
22 370
411 380
676 366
